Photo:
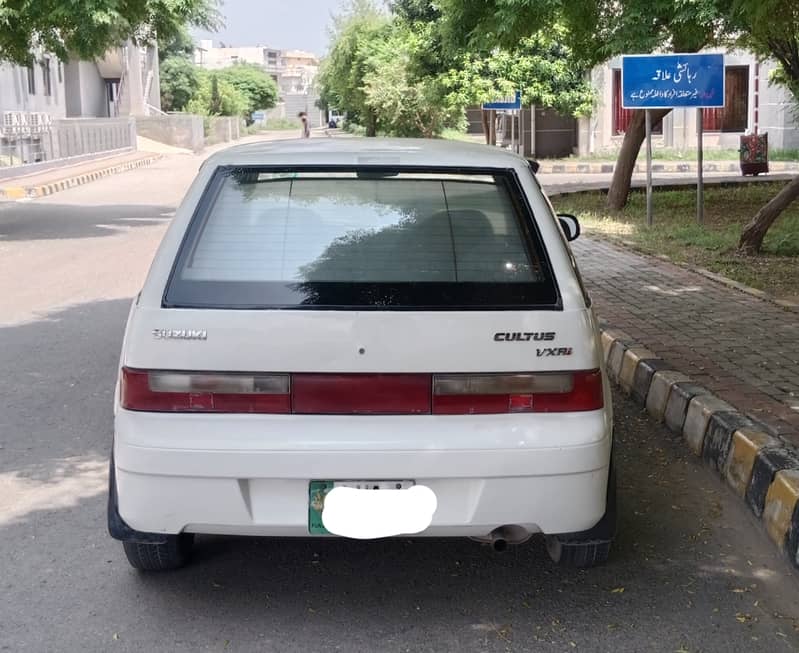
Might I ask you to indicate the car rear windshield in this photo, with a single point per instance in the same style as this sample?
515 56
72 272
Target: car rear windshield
361 238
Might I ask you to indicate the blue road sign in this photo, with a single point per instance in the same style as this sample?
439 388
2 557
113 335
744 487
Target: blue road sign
666 81
506 104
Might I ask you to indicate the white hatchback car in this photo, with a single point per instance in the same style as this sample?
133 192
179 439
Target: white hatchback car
363 338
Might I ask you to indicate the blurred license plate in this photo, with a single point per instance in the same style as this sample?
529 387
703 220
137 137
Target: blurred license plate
318 489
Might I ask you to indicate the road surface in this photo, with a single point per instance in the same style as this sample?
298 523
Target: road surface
692 570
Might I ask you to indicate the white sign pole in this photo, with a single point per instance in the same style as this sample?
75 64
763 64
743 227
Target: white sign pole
649 220
512 131
700 181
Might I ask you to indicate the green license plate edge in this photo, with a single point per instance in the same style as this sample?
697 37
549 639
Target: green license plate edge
316 497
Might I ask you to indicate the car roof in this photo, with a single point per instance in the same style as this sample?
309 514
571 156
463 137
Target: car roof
368 151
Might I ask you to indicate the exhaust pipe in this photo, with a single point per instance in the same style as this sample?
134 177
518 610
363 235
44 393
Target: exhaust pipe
501 537
498 542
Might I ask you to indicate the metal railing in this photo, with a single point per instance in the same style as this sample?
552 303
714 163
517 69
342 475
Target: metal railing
31 138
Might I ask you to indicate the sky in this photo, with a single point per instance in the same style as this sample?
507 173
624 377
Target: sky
283 24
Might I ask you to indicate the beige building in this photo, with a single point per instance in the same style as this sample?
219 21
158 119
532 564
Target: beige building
293 70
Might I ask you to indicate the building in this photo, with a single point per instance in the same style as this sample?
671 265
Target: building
124 82
751 103
298 72
38 87
52 109
293 70
213 58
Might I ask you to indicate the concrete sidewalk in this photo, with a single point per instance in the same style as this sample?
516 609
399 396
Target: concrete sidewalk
68 176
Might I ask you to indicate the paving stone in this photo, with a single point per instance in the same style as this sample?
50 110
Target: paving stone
609 336
780 507
704 328
746 443
615 359
768 462
718 438
677 404
697 418
643 377
632 357
659 391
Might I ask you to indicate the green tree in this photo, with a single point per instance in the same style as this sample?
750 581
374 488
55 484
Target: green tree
769 28
254 84
216 97
215 101
178 44
342 73
88 28
541 66
179 82
595 31
404 102
395 71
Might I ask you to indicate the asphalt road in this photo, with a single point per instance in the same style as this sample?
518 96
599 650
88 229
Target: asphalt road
692 570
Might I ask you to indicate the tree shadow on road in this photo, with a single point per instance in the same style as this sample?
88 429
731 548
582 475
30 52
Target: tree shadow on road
678 579
21 221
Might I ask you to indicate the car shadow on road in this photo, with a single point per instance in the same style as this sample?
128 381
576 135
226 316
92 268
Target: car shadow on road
21 221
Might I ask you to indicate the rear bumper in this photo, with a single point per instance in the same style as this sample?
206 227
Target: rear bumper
249 475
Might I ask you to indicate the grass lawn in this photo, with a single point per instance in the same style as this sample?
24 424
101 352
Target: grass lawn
712 246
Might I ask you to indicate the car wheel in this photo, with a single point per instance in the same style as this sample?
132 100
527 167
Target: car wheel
172 554
592 547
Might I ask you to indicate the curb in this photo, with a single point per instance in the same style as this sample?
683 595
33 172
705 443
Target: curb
31 192
760 468
607 167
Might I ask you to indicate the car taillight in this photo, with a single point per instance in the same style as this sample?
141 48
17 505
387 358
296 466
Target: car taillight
470 394
361 394
208 393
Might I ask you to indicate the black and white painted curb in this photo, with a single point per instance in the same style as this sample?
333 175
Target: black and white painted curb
31 192
761 469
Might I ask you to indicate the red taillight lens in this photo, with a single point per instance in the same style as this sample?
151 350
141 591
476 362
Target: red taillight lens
464 394
361 394
208 393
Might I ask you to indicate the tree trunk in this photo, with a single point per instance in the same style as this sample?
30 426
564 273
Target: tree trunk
371 123
486 127
625 162
752 236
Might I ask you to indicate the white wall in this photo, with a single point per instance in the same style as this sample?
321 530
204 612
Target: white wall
85 90
14 95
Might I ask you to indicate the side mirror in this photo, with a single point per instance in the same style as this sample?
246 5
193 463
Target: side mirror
534 165
570 226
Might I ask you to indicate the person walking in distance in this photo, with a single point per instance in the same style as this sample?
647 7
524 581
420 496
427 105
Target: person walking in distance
306 125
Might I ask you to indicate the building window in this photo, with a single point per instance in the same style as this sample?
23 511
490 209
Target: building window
47 82
31 79
734 116
622 116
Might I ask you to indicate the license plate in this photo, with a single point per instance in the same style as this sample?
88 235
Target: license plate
317 491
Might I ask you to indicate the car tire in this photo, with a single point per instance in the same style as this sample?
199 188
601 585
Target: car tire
592 547
172 554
